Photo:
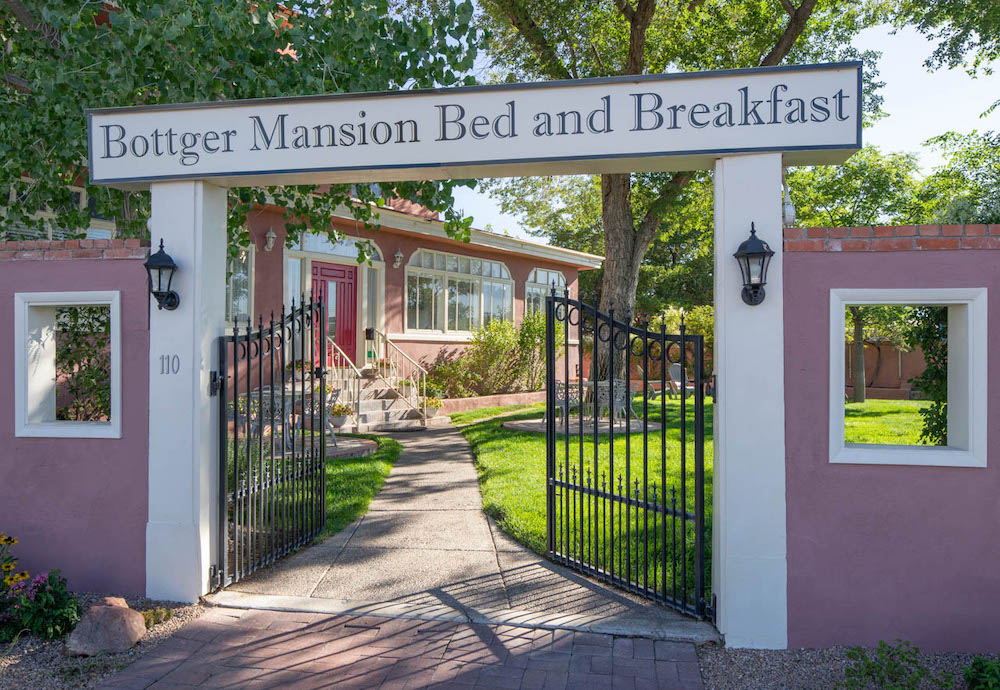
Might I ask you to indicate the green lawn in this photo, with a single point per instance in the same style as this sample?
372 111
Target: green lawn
352 483
511 468
884 422
462 418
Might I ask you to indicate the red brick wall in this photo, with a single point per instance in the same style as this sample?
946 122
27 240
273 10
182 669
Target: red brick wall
33 250
887 238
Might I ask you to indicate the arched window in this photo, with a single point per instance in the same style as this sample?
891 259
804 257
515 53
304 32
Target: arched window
346 247
540 282
451 293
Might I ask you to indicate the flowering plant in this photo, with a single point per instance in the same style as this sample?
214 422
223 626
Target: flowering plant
341 410
41 605
8 565
9 578
44 605
433 403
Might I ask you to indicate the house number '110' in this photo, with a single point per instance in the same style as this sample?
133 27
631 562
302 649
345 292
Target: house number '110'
170 364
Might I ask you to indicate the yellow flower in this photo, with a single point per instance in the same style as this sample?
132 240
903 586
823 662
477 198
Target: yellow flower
9 580
7 567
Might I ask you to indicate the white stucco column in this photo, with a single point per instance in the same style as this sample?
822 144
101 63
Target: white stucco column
748 527
183 465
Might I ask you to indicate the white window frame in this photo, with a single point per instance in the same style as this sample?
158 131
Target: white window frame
533 285
49 215
251 279
26 388
967 380
444 275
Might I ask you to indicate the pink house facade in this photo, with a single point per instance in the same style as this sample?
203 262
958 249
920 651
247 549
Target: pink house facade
424 291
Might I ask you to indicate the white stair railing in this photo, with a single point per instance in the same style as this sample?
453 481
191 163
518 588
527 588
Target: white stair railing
401 372
341 373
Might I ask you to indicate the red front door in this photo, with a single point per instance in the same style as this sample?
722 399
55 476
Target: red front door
338 285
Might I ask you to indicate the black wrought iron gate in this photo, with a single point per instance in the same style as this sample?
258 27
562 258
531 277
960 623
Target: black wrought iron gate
272 428
625 454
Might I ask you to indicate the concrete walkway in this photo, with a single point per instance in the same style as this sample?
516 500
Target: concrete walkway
425 550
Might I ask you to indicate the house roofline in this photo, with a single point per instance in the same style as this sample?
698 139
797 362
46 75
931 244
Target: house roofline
492 240
407 222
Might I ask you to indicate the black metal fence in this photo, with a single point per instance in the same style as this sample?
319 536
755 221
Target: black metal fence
272 450
625 463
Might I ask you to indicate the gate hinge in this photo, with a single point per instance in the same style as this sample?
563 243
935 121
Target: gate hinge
214 384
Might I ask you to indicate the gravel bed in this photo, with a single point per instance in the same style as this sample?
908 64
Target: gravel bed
31 662
816 669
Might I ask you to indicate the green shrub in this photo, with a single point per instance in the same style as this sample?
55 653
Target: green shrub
496 355
983 673
928 330
893 667
44 607
83 362
501 358
451 378
156 616
531 350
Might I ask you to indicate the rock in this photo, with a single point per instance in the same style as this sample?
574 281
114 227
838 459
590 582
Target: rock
112 601
103 628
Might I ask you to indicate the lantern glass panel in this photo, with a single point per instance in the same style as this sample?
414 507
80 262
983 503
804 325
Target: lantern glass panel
756 269
743 262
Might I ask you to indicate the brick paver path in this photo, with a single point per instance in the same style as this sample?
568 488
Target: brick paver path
233 648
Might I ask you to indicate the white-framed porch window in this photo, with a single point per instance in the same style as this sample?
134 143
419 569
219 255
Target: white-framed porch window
294 287
100 227
967 383
539 284
239 287
451 293
58 337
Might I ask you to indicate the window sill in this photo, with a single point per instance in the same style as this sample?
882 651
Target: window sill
431 337
439 338
69 430
919 456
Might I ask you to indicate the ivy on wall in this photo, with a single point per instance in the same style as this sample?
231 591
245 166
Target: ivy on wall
928 330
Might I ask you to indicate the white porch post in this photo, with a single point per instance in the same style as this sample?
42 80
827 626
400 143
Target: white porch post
183 474
748 539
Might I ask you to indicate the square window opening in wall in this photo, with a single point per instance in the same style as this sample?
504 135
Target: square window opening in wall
67 364
908 376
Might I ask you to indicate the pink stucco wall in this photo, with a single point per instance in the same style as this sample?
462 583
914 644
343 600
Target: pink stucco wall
269 270
884 552
79 505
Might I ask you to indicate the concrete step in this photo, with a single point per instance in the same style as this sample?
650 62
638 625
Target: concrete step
382 404
389 416
401 425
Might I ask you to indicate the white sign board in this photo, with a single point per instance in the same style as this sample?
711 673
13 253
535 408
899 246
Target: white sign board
682 121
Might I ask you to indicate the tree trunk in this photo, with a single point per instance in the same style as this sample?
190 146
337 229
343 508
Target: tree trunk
859 356
624 247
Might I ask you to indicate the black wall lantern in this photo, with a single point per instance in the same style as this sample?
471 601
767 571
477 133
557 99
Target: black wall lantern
160 269
753 257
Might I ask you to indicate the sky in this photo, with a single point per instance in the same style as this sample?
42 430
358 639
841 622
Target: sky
920 105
